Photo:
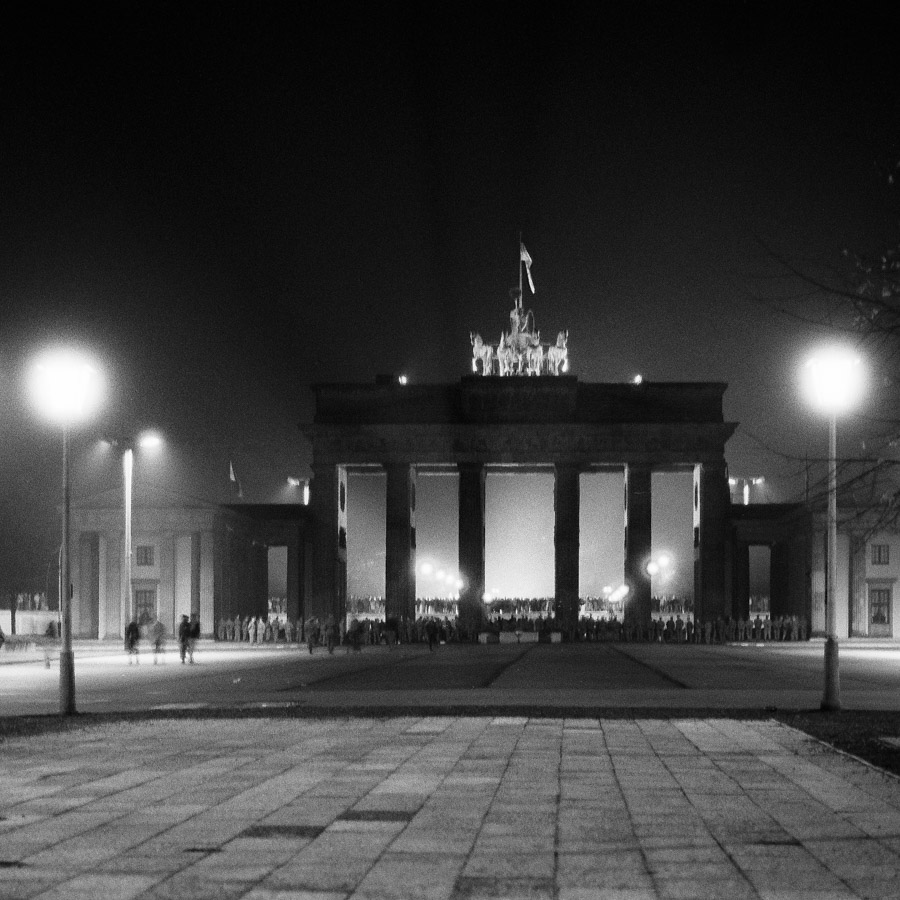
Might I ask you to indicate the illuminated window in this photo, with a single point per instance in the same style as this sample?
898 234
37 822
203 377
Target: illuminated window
880 606
145 556
881 554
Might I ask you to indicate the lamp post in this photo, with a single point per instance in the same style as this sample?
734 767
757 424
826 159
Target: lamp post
66 388
146 440
834 381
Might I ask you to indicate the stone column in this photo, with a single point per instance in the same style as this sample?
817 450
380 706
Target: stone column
859 606
400 542
638 494
712 501
567 497
471 545
328 505
740 601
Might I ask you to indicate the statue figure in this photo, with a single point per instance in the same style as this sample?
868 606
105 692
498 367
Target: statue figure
481 351
535 355
557 357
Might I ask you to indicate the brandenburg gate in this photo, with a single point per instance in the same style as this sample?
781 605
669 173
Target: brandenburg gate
489 422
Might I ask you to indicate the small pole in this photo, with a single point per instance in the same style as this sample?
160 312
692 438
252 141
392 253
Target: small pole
519 298
832 697
66 655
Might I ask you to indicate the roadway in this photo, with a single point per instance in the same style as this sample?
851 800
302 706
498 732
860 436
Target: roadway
532 678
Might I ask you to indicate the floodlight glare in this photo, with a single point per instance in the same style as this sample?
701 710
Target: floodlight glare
149 440
66 386
652 567
664 560
426 568
834 380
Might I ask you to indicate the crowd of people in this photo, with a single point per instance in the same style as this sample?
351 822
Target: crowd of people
678 630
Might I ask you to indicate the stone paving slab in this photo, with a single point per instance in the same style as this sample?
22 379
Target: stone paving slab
443 808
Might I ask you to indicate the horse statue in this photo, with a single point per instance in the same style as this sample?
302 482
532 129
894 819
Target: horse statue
558 356
506 356
535 355
481 351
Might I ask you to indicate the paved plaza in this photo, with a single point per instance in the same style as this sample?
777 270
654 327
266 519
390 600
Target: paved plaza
443 807
525 679
470 772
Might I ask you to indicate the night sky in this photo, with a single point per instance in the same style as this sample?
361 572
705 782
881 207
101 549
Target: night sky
228 202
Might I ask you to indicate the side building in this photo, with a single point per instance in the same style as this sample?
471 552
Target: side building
191 557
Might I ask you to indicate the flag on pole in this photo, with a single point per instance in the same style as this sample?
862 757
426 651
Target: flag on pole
525 256
233 478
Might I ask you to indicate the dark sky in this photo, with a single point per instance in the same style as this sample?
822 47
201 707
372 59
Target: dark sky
227 202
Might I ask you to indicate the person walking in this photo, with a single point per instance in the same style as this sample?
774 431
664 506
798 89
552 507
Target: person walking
312 633
431 631
330 628
184 637
132 637
158 633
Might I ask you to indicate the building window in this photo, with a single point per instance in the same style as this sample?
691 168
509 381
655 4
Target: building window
145 605
145 556
881 554
880 606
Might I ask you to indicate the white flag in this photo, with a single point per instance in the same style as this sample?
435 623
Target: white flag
233 478
525 256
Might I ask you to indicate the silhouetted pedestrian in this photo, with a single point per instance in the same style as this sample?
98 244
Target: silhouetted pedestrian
132 637
184 638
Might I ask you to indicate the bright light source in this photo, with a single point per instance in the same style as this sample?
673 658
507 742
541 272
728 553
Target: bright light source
486 597
652 567
306 493
426 568
149 440
565 365
459 585
607 590
638 379
440 574
620 593
664 560
834 380
733 481
293 482
403 379
66 386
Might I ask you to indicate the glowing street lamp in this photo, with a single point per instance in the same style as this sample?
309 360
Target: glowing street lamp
834 383
147 440
66 387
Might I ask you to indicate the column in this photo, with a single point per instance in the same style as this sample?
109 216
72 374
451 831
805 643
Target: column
328 505
638 495
740 601
295 576
712 504
567 497
400 542
471 545
203 588
859 605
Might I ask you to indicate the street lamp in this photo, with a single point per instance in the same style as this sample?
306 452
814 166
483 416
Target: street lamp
66 388
147 440
834 381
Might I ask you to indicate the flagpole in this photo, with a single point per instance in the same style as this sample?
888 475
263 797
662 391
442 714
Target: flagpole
519 300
